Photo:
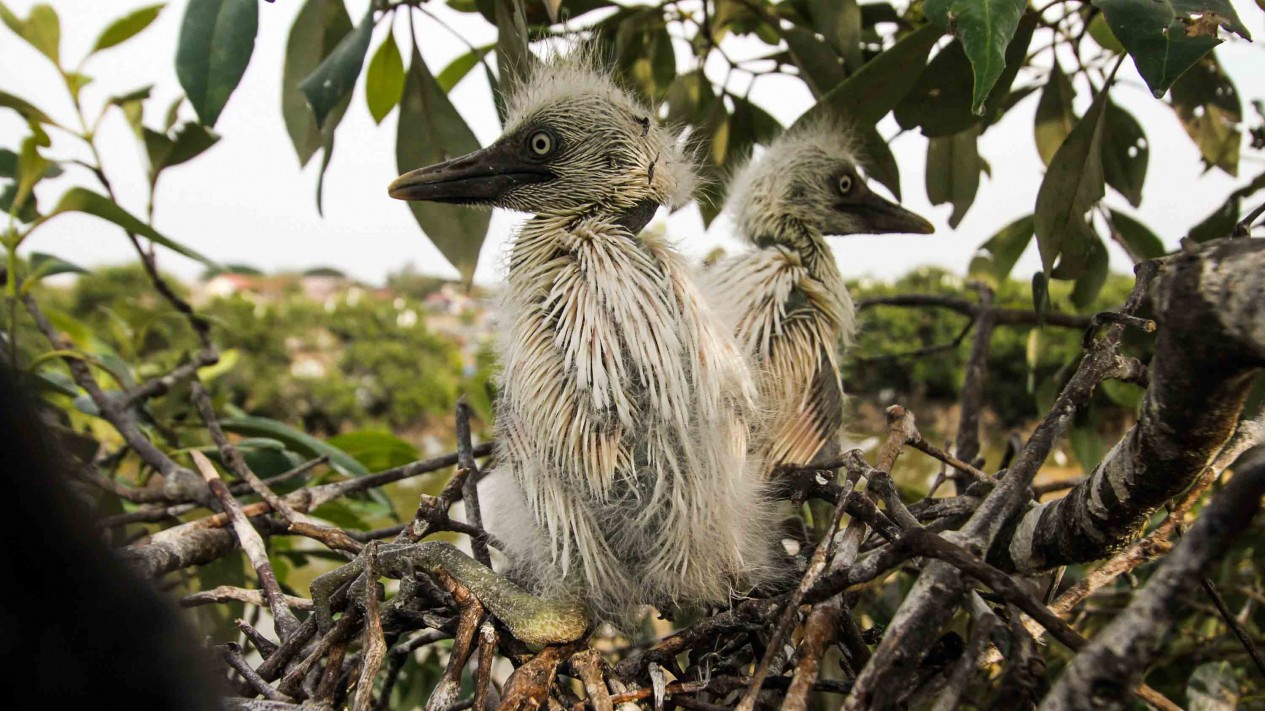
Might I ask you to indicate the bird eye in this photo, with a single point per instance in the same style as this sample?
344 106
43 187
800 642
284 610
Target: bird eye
541 143
845 184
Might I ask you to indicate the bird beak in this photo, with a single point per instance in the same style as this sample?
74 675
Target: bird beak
483 176
879 216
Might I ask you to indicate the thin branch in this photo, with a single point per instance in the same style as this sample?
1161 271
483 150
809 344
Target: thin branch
229 593
252 544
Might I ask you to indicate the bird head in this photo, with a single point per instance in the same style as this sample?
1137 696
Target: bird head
573 141
809 177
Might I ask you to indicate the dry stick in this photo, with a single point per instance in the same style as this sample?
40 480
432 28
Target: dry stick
296 521
528 687
1120 653
162 384
328 686
470 485
399 657
1244 638
374 645
816 565
967 445
1001 316
922 445
231 653
588 665
985 620
483 675
938 590
820 628
170 549
445 692
931 545
1250 433
178 482
228 593
293 678
252 544
265 646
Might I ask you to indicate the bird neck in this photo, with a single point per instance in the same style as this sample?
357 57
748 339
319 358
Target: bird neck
631 217
808 242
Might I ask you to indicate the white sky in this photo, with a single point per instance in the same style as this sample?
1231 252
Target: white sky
246 200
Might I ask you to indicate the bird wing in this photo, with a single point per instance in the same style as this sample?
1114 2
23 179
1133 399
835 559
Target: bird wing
791 326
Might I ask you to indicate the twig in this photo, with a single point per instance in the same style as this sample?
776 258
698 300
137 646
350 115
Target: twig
971 399
374 645
449 685
1118 655
228 593
1233 623
296 521
985 620
231 653
470 483
178 482
252 544
265 646
483 674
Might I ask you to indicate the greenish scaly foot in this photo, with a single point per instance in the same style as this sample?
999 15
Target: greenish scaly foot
529 618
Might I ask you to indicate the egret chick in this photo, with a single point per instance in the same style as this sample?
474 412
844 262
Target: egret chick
622 417
786 299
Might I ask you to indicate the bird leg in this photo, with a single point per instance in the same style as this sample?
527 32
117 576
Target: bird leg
531 619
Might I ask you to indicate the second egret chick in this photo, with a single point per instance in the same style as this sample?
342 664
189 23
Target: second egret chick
786 298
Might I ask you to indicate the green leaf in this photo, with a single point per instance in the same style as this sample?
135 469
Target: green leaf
1125 153
335 78
1088 445
24 109
880 84
46 265
1102 34
1008 245
1219 224
953 168
1054 118
1072 185
384 79
375 449
1091 281
1137 239
1040 297
8 163
1157 38
300 442
164 151
458 68
228 360
432 131
41 29
217 38
1210 110
31 168
985 28
940 101
127 27
819 65
1126 395
88 202
878 160
513 58
318 28
839 21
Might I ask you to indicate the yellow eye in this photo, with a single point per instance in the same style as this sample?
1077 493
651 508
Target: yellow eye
541 143
845 184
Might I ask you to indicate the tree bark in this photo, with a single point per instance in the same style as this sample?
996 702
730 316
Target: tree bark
1211 309
1101 676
